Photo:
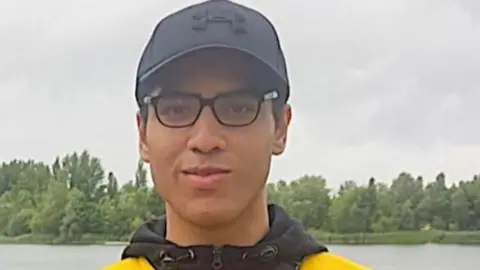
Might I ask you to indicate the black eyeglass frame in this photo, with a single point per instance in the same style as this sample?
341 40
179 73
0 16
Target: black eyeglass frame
262 96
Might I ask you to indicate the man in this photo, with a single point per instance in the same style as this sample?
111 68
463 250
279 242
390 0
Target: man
212 88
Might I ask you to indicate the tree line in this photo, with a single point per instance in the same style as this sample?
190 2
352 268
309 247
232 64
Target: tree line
75 198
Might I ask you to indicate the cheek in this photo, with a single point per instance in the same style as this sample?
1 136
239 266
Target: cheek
164 149
253 149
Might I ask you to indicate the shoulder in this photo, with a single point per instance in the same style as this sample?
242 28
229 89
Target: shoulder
330 261
130 264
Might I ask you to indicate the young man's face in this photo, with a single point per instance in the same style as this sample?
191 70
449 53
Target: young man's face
209 172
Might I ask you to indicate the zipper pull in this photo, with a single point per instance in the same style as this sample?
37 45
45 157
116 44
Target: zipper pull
217 258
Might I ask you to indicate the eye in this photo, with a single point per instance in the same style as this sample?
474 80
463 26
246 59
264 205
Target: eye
176 106
173 109
237 104
244 107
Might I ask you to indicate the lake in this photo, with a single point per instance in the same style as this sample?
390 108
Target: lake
427 257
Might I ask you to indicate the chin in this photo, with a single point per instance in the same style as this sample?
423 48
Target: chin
211 213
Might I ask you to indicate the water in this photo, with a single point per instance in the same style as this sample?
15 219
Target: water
428 257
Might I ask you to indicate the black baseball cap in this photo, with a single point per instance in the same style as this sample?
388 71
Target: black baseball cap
213 24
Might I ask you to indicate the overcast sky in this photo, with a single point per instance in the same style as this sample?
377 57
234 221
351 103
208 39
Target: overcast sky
378 87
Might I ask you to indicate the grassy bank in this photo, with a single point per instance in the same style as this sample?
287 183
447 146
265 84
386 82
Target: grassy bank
390 238
87 239
401 238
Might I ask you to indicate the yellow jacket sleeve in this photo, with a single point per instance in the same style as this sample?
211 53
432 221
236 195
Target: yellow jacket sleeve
330 261
130 264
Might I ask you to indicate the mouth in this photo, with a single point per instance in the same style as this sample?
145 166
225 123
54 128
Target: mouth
205 171
206 177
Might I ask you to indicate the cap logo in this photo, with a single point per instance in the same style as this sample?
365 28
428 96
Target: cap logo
236 20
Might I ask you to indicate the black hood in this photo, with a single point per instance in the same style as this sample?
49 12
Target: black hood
284 246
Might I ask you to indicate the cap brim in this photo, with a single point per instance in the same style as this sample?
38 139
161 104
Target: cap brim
265 74
156 68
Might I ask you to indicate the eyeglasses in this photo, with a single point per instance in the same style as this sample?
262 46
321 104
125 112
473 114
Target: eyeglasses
233 109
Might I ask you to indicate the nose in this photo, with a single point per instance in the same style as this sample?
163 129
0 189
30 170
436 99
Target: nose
206 136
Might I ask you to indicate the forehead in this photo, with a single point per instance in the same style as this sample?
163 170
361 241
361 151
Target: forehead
212 70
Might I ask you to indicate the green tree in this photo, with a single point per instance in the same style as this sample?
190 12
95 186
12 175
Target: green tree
74 199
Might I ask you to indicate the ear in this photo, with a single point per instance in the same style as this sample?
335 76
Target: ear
142 138
281 131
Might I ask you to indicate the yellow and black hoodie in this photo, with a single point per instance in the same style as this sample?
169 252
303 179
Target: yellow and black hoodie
286 246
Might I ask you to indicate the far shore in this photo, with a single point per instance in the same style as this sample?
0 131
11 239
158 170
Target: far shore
388 238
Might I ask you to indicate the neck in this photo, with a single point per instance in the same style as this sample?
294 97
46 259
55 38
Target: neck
246 230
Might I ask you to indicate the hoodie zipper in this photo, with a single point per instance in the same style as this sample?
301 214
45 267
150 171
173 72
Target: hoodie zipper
217 258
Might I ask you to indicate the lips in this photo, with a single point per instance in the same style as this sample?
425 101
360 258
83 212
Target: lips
206 177
205 171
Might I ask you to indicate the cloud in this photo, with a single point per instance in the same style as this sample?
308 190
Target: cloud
377 86
406 72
